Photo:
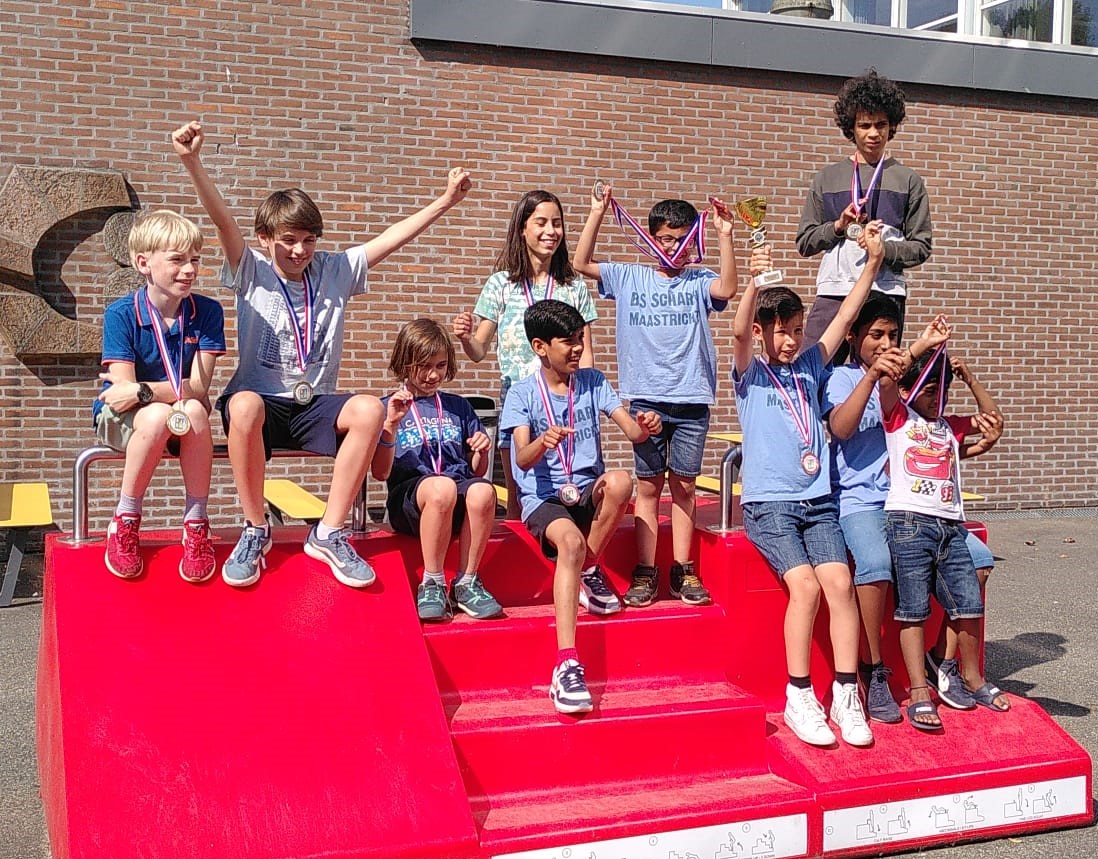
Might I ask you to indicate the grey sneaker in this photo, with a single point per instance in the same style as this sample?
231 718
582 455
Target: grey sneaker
686 586
431 603
474 599
945 676
880 705
643 588
341 557
595 594
243 566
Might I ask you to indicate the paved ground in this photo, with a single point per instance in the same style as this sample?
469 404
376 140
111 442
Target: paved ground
1042 643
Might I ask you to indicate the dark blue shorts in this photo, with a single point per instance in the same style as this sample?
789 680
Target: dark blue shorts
552 509
404 512
288 425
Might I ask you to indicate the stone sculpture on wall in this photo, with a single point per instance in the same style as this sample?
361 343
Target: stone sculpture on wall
32 201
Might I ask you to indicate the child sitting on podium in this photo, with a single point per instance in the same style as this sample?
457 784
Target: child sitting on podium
570 503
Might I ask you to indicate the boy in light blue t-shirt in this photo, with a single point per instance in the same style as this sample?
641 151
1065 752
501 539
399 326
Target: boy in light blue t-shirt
569 502
788 512
667 364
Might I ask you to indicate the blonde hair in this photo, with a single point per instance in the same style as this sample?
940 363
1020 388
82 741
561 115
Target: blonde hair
417 343
163 230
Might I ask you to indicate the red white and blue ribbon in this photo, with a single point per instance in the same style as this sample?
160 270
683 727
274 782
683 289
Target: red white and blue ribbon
303 335
651 248
436 461
924 377
528 289
857 198
173 370
799 411
566 450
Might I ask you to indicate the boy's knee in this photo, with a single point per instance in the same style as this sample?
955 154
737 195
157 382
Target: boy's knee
439 493
571 546
247 412
363 411
481 498
617 487
802 583
152 419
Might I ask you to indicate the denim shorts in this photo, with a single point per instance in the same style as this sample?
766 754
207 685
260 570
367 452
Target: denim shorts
930 552
867 539
795 533
680 446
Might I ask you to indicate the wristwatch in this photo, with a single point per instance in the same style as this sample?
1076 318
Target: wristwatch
144 394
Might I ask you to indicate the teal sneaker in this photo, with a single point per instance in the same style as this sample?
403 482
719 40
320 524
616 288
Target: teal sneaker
474 599
431 603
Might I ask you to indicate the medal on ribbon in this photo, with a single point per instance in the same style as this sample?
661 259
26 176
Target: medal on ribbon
693 242
178 422
436 461
858 199
303 337
938 359
528 290
569 493
802 417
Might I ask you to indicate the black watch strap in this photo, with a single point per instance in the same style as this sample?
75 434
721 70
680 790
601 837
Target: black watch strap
144 394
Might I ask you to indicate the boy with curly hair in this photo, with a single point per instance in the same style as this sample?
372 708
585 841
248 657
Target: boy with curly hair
864 186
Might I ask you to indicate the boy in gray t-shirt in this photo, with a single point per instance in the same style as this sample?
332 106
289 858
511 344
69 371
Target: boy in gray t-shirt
290 306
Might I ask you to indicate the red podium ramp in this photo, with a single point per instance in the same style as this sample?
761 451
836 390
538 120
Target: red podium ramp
299 718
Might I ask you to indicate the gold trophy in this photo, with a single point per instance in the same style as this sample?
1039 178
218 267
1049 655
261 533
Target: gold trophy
753 212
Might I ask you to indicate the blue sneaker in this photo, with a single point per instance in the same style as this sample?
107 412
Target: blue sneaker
945 676
243 566
341 557
431 603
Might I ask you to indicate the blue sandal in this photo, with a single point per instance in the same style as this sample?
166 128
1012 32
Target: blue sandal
985 696
923 708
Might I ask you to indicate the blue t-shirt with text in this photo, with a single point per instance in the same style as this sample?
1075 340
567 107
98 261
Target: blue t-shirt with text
772 446
413 454
665 347
858 469
524 407
129 337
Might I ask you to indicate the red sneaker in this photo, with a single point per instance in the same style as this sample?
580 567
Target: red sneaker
198 562
123 555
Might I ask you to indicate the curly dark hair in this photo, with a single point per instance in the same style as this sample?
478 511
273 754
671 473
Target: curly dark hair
869 93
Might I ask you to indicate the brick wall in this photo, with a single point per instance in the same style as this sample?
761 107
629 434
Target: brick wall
331 96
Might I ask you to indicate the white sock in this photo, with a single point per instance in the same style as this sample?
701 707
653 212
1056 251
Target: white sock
438 578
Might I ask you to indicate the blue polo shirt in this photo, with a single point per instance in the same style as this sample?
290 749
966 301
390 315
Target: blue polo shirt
129 337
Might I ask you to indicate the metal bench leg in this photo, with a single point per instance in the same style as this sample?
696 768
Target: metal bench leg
17 541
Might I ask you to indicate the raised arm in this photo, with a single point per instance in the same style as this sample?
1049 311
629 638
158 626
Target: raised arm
743 345
399 234
726 286
835 333
187 141
846 417
583 261
382 464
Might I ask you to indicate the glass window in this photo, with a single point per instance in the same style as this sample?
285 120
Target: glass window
1084 23
933 15
1018 19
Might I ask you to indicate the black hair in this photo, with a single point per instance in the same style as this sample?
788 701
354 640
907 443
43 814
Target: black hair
673 213
869 93
547 319
777 303
919 364
515 256
877 307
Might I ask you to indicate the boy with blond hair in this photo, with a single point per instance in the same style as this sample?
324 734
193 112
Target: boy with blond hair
159 349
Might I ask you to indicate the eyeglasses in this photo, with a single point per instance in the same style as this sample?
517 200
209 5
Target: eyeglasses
669 241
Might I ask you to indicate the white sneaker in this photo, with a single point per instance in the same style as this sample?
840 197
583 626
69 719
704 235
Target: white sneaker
848 714
805 717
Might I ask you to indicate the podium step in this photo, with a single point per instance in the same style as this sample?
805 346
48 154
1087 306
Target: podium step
674 816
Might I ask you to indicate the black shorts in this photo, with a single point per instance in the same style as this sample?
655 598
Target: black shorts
404 512
552 509
289 425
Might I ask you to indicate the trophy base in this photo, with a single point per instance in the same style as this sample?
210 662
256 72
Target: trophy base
768 278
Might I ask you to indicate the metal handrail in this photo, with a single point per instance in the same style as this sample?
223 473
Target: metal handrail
730 472
84 460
